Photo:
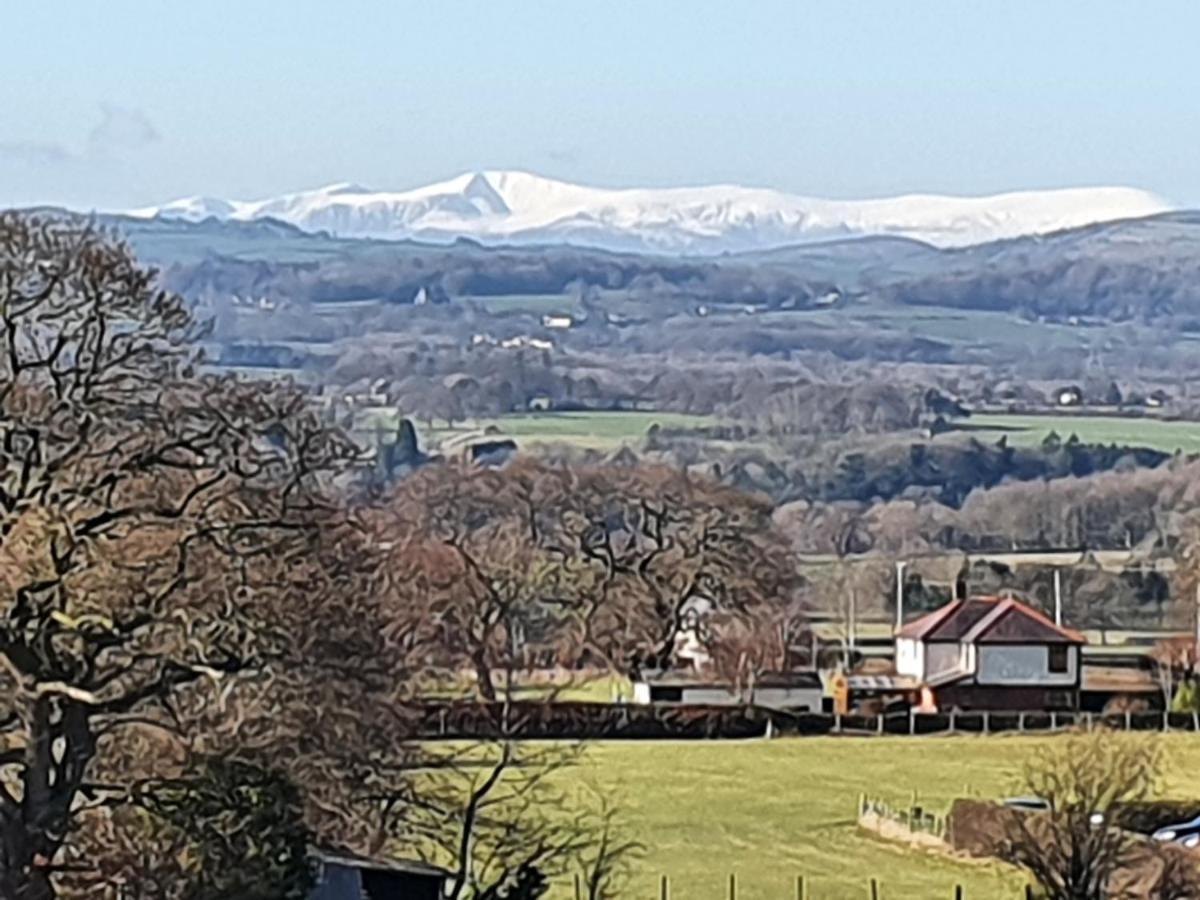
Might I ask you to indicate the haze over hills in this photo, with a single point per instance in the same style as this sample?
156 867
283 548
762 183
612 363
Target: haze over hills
520 208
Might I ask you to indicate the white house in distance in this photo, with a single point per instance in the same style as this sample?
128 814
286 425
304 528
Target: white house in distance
990 653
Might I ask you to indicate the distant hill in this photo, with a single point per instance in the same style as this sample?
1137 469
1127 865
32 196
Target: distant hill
1138 269
1145 269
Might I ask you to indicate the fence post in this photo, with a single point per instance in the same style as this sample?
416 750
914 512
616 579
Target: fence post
801 894
837 722
1091 721
912 721
1029 892
1195 721
1021 723
986 721
1128 720
874 889
879 724
953 723
1054 721
1166 720
958 892
732 886
578 888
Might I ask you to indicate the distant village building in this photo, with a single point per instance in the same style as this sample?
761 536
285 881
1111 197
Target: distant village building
990 653
1157 399
1069 396
557 321
342 876
516 343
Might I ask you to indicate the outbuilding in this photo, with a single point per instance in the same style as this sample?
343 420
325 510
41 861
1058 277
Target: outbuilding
797 691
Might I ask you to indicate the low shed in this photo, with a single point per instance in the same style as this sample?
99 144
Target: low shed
780 690
342 876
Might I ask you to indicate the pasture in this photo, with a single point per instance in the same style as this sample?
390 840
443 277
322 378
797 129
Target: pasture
771 810
531 304
603 431
1158 434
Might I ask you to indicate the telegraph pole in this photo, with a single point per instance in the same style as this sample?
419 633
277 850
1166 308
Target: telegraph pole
1058 597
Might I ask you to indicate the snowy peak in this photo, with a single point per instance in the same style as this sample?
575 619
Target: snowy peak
500 206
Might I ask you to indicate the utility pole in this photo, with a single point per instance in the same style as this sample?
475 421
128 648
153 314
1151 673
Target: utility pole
900 594
853 616
1058 597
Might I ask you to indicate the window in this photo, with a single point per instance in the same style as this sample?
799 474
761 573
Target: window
1058 662
666 694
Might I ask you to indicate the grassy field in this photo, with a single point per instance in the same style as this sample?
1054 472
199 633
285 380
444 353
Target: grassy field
1144 432
771 810
537 304
593 430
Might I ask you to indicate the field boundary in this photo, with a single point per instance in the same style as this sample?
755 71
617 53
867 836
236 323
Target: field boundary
526 720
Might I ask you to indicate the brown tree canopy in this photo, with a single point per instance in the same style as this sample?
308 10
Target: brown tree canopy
579 565
147 512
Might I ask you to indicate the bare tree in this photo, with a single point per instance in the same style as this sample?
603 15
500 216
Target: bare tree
1174 660
539 565
605 863
145 512
1072 850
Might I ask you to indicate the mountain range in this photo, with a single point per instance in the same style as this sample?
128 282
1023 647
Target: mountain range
512 207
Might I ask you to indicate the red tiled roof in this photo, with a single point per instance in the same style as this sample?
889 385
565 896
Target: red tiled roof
989 620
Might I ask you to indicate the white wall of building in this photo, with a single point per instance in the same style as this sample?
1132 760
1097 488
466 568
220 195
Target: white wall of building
910 657
1023 665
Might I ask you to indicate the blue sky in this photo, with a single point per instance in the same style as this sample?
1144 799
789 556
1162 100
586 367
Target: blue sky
122 103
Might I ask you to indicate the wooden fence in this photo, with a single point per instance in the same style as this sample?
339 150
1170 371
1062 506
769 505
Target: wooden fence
803 889
596 721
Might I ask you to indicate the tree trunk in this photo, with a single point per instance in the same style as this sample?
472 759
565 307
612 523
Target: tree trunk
483 675
20 879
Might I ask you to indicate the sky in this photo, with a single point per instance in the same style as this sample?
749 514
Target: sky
131 102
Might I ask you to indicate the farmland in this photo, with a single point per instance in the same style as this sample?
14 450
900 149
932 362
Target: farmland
771 810
1157 434
590 430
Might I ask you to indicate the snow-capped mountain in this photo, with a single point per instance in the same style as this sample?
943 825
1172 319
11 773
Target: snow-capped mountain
518 207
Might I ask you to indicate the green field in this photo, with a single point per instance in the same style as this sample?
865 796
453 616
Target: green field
771 810
537 304
1139 432
592 430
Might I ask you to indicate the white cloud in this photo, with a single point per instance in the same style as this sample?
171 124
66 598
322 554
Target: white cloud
121 130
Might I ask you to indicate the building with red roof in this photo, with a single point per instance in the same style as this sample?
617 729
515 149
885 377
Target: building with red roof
990 653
